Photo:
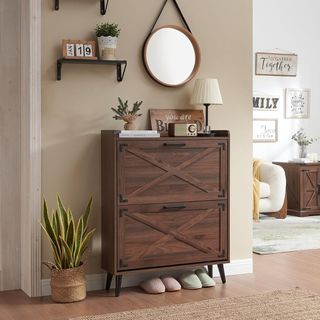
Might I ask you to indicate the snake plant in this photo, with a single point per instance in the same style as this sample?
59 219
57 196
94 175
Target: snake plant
68 240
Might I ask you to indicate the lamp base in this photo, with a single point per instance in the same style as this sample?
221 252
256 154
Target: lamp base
207 134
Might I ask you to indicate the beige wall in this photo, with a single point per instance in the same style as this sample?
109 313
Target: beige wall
75 109
10 144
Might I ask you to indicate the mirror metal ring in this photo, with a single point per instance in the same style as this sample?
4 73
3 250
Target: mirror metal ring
171 56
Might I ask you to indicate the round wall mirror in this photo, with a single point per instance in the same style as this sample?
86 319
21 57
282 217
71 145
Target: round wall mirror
171 56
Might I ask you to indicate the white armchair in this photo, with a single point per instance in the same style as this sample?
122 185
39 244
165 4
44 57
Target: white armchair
272 190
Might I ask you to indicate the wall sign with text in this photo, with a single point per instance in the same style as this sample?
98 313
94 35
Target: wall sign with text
160 118
265 130
298 103
265 102
276 64
79 49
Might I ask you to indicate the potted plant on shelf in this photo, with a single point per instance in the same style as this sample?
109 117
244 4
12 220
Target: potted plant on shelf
122 113
68 241
107 35
301 138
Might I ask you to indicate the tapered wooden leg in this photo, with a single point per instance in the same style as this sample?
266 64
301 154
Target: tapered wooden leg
109 279
222 274
210 271
118 285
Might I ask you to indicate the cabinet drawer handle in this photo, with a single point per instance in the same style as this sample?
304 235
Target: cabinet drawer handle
166 144
175 207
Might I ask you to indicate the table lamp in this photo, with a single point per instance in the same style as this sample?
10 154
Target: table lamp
206 92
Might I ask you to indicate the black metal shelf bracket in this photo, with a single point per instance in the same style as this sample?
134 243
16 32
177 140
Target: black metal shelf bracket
118 63
103 7
56 5
119 74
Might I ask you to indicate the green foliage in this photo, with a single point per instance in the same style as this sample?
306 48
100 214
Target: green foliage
67 241
301 138
107 29
123 109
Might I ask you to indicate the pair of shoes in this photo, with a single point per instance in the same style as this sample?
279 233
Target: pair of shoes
196 279
160 284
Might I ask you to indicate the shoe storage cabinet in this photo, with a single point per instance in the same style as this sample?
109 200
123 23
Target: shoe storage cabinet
165 204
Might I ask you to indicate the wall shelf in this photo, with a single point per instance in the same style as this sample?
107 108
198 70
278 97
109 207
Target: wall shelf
118 63
103 6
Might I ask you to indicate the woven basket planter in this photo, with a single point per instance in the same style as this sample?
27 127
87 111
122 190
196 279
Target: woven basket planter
67 285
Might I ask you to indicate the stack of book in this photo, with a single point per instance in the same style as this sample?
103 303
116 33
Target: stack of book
139 134
301 160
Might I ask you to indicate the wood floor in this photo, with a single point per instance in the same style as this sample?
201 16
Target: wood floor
271 272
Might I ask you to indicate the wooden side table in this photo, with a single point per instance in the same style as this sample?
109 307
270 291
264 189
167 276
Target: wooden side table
303 188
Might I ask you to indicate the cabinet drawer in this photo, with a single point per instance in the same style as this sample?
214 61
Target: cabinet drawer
171 170
179 233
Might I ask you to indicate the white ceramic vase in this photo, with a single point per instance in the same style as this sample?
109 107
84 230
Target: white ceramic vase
107 47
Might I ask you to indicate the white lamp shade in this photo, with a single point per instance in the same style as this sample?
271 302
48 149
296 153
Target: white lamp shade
206 91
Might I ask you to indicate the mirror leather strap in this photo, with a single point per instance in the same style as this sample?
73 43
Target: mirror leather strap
180 13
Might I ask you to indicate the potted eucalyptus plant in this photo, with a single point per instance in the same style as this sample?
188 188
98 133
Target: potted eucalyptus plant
301 138
68 241
122 113
107 35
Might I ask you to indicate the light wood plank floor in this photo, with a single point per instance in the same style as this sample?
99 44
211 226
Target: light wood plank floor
271 272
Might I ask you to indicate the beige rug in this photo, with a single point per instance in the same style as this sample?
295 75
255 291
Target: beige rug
296 304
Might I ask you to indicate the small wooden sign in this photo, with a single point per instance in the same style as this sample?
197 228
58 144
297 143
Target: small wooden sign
265 102
160 118
79 49
276 64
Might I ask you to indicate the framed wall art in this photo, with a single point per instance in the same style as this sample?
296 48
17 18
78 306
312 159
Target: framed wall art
298 103
265 130
276 64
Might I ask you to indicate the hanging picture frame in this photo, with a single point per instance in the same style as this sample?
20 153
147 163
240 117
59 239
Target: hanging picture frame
276 64
265 130
298 103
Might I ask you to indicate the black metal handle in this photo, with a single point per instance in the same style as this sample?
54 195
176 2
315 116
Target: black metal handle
318 188
175 207
174 144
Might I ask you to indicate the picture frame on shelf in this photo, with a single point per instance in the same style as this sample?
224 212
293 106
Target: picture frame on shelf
298 103
265 130
79 49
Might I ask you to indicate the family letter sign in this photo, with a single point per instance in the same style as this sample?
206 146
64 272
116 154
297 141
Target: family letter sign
276 64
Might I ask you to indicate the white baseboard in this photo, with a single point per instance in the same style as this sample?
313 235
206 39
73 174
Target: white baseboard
98 281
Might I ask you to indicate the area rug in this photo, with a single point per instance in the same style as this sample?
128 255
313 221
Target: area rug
296 304
272 235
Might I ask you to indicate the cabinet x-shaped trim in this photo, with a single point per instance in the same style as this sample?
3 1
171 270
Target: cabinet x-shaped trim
170 233
177 171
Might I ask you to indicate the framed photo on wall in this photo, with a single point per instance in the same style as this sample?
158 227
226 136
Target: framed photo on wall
298 103
265 130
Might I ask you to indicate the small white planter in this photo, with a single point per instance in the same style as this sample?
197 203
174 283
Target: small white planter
107 47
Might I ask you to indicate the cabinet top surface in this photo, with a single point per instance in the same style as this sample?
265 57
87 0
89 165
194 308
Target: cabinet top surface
219 134
296 163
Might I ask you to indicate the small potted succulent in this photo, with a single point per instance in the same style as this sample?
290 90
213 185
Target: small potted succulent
107 35
301 138
122 113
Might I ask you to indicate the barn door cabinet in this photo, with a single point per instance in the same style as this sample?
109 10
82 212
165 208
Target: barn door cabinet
303 188
165 203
